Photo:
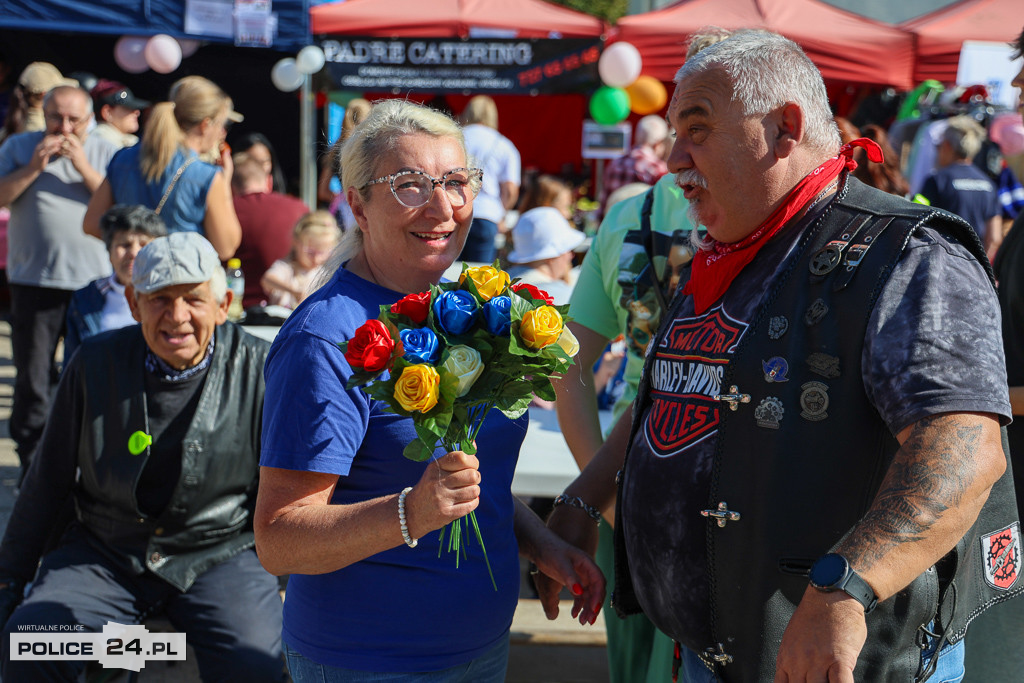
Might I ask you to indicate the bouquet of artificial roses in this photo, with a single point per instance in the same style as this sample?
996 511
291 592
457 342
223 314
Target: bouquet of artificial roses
455 353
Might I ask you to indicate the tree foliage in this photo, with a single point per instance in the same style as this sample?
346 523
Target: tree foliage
609 10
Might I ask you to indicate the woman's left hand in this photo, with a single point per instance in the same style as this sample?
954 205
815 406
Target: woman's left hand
577 571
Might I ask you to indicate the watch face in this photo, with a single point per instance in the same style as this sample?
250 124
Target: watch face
828 570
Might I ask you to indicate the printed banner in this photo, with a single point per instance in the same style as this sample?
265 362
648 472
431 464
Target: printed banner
484 65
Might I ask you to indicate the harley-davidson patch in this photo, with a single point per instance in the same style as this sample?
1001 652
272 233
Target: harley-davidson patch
1000 554
686 375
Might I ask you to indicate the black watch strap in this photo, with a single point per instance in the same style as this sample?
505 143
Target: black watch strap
846 580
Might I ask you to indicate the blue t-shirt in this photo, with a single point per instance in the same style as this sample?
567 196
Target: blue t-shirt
965 190
932 346
185 207
405 609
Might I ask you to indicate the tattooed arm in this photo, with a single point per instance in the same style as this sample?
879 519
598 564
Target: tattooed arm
932 493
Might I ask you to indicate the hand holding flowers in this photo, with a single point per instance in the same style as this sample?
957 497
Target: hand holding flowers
446 357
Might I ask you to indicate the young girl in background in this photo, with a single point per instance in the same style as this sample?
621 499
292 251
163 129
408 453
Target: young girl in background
314 237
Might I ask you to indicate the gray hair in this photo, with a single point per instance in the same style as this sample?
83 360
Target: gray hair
650 130
766 71
387 121
964 136
53 92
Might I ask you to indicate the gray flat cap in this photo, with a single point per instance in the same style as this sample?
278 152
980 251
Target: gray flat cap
180 258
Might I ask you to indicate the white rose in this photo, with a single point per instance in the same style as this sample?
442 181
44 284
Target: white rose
464 362
568 343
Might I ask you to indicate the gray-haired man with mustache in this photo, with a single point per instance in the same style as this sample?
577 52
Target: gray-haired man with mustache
814 485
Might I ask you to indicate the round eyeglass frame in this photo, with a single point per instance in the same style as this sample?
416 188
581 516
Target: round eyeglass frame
476 176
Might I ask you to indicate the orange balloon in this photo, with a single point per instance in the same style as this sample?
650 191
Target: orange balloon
647 95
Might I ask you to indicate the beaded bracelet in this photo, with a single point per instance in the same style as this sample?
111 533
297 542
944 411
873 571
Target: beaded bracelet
577 502
409 540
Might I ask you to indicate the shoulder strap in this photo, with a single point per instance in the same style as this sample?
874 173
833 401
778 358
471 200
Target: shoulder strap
647 237
174 181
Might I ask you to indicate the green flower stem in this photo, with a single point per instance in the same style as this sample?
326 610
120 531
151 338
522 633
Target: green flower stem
455 539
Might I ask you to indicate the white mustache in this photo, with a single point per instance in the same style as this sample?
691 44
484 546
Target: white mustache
691 177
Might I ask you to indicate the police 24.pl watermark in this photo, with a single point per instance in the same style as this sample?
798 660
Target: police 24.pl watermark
119 646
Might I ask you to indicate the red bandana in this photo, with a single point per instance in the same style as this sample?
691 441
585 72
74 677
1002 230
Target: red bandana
714 270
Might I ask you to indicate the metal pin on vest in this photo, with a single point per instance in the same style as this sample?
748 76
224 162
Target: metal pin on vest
722 514
734 397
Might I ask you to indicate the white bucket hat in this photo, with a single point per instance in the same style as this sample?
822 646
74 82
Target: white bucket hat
543 233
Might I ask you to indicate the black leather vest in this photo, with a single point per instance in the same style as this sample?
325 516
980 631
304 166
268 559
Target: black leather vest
803 460
209 516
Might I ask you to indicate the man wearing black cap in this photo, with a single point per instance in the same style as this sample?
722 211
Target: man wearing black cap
117 111
154 438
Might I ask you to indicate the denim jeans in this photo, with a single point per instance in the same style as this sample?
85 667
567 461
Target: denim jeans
948 669
950 665
231 615
490 667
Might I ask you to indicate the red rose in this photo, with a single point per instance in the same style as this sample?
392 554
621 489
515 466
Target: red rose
535 292
370 347
413 306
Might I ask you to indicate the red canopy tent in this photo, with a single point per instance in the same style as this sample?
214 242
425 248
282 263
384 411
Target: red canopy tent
847 48
941 34
452 18
547 130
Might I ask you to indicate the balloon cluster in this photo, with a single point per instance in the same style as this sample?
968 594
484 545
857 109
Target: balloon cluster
288 73
624 89
161 53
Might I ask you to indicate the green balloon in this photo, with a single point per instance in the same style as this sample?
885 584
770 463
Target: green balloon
609 105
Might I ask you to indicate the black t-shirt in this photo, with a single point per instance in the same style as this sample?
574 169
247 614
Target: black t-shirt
1009 268
932 346
170 407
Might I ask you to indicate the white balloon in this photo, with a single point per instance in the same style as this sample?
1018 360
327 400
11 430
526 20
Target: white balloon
310 59
129 53
163 54
285 75
619 64
188 46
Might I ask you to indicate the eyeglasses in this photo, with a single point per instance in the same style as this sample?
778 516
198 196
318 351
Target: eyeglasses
413 189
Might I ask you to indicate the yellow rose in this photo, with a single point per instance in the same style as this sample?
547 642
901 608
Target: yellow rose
567 340
489 281
464 362
417 388
540 327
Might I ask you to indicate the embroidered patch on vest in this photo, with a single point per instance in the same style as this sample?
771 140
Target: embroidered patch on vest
814 401
777 327
816 312
685 377
824 364
775 369
769 412
1000 554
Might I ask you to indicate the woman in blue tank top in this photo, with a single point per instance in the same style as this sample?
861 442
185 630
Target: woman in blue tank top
165 171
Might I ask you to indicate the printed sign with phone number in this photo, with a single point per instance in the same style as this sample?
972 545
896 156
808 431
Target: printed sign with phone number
119 646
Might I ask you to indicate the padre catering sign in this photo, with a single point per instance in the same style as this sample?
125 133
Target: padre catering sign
477 65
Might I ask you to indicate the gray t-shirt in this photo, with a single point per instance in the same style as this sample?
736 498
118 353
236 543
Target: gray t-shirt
46 246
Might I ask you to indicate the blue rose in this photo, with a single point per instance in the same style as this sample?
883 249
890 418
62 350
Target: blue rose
421 345
455 312
498 315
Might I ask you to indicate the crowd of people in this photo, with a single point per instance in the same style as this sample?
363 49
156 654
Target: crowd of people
793 319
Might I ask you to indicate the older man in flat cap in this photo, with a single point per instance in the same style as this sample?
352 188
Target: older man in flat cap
154 438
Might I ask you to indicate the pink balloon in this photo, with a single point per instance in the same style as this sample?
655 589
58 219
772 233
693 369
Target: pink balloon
163 54
129 53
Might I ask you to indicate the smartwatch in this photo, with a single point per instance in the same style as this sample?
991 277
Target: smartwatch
832 572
